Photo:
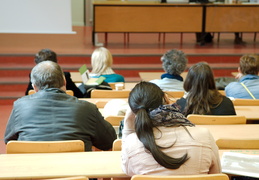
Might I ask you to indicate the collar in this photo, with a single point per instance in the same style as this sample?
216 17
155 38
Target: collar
249 77
171 76
54 90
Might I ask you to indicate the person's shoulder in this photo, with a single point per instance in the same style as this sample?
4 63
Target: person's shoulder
199 129
120 77
200 133
226 99
84 102
232 85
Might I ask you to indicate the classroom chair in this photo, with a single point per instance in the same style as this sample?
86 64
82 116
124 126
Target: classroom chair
182 177
216 119
174 95
116 146
238 143
97 93
114 120
246 102
69 92
69 178
20 147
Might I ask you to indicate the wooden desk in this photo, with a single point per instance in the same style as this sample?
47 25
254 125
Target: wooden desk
250 112
232 18
141 16
46 165
236 131
49 165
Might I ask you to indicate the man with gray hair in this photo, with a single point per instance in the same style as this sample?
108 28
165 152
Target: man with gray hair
52 115
174 63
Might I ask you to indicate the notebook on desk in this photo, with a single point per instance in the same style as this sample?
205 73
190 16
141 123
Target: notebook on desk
87 80
239 163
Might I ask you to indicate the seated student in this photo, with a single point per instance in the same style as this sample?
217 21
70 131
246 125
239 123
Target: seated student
159 140
52 115
202 95
248 85
174 63
101 61
47 54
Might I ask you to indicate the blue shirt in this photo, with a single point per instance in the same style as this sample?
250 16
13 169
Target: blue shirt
111 78
236 90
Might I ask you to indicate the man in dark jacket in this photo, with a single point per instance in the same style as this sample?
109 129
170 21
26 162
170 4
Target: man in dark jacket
52 115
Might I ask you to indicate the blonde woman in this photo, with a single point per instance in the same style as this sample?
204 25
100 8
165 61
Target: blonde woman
101 61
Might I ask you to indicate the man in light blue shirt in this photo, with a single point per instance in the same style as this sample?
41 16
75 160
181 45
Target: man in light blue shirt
248 85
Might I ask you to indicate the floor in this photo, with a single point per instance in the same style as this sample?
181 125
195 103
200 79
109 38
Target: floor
140 44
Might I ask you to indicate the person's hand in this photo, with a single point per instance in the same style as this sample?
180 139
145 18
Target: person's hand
239 75
129 120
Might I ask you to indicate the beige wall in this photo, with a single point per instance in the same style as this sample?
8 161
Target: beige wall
78 12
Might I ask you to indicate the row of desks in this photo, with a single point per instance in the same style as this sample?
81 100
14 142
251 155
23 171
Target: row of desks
250 112
98 164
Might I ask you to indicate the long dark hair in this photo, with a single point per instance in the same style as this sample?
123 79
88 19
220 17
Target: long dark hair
202 92
146 96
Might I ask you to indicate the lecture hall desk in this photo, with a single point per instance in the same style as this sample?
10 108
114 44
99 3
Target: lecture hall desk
100 164
52 165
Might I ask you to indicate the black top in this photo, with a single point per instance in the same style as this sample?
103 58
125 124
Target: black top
226 107
70 86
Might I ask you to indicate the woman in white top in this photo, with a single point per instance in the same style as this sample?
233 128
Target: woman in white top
159 140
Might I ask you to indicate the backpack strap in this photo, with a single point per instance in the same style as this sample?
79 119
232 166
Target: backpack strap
248 90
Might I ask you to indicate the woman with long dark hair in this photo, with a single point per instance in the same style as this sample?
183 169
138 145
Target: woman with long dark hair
158 139
202 95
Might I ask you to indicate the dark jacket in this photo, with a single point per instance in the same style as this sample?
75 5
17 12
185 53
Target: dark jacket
70 86
52 115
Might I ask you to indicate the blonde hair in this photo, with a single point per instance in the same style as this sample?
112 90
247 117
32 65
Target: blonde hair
101 59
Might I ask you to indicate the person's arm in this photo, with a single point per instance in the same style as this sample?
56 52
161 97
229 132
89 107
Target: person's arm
104 133
215 165
71 86
10 131
129 123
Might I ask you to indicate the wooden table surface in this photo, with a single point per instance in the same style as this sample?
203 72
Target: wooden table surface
51 165
239 131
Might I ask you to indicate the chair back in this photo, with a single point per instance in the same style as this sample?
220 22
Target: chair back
182 177
175 94
20 147
69 178
246 102
116 146
98 93
216 119
238 143
222 92
69 92
114 120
